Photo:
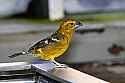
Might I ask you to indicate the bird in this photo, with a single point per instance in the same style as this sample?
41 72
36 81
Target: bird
54 45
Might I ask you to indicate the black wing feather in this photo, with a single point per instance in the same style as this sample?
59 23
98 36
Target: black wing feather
43 44
39 44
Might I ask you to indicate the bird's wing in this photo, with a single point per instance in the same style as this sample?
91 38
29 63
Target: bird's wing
54 38
39 44
45 42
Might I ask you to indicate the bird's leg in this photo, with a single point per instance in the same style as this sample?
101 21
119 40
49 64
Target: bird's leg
56 63
59 65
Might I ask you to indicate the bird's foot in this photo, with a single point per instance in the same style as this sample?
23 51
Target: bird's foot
58 65
61 66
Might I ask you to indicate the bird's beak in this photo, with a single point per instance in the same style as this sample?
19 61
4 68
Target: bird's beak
78 24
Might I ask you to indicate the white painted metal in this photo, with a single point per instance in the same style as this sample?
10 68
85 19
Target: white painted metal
56 9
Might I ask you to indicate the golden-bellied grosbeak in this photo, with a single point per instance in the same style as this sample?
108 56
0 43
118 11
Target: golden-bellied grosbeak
54 45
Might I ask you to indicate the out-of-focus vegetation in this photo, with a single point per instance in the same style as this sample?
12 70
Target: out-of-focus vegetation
100 17
88 18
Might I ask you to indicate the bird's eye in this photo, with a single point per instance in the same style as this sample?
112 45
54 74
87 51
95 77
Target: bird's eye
71 23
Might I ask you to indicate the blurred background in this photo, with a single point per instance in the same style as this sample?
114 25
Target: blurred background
98 49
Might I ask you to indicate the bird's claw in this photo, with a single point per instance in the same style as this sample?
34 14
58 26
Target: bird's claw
61 66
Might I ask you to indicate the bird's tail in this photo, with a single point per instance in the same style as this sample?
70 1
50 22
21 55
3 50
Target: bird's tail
18 54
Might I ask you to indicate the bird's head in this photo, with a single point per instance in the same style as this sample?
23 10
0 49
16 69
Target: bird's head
70 25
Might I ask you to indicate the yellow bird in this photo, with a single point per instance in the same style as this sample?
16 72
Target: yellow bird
54 45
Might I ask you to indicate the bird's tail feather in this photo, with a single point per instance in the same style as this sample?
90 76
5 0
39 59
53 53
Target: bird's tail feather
18 54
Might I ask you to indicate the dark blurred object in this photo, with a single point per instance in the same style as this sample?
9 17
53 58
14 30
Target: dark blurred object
115 49
38 8
84 31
